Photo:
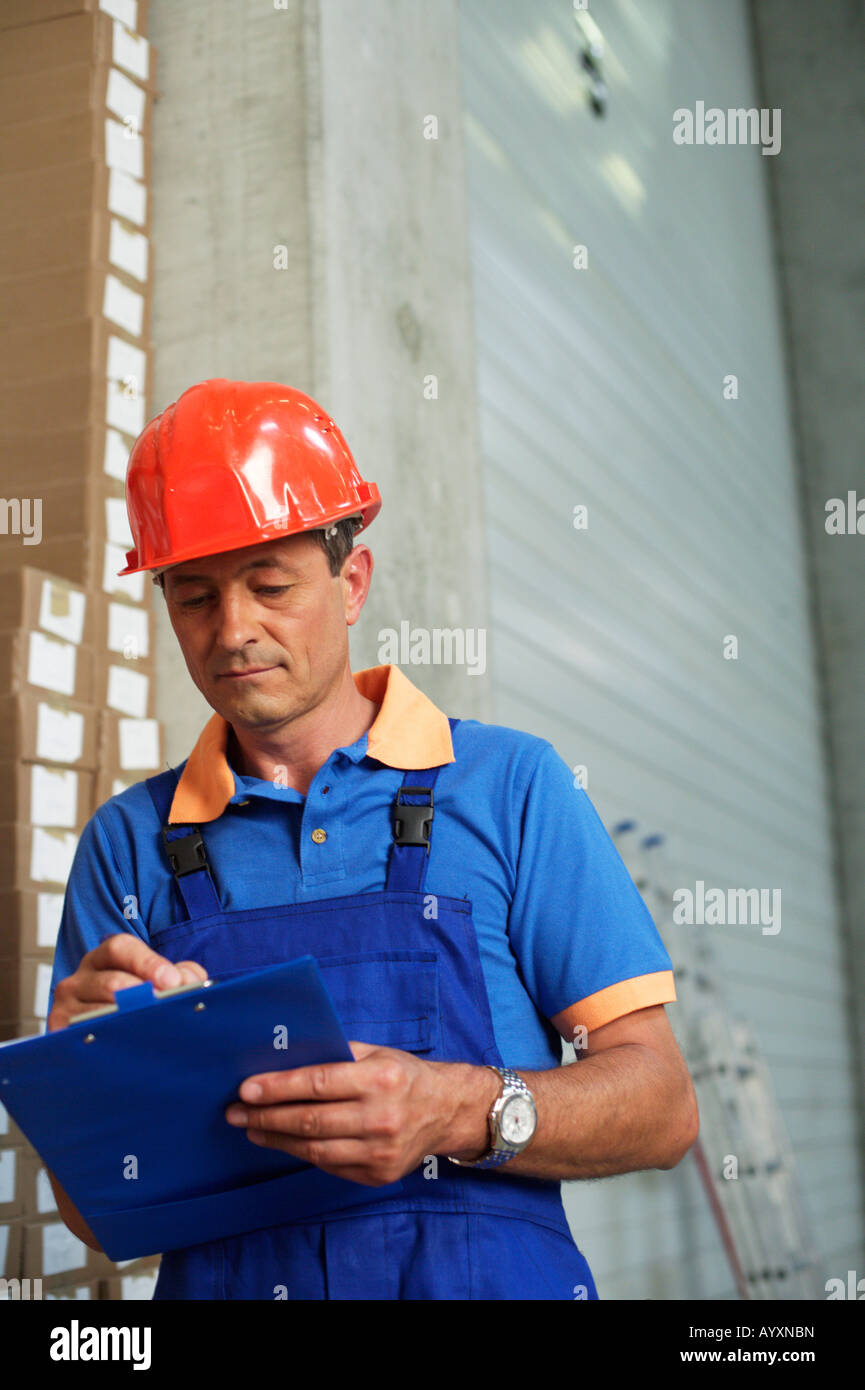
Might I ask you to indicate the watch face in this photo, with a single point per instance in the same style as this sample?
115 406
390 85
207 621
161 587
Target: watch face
518 1119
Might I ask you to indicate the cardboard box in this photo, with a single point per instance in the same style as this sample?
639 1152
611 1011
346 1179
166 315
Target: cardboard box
74 1291
73 401
132 1284
21 1028
92 506
86 559
53 1254
47 729
62 140
10 1135
37 1194
99 1266
48 457
34 598
24 988
68 402
55 295
29 922
35 660
40 353
34 856
127 687
132 13
130 747
70 189
27 96
124 630
100 235
11 1253
110 784
46 795
11 1183
78 38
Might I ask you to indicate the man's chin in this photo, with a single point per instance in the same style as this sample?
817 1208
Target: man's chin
249 708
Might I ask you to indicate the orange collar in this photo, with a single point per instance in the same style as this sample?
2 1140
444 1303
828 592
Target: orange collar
409 731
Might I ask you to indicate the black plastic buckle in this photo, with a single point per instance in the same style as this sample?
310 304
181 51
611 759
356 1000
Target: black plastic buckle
411 824
186 853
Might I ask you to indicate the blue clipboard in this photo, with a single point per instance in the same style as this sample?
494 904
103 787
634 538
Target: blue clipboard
126 1107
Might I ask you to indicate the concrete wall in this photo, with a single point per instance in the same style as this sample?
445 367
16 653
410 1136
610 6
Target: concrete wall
810 62
303 127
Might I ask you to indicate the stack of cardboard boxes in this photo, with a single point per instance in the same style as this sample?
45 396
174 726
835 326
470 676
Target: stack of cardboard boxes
76 643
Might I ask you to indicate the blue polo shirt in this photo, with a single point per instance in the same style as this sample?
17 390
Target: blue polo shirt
558 919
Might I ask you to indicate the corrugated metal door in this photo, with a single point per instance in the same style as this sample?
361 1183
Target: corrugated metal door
604 387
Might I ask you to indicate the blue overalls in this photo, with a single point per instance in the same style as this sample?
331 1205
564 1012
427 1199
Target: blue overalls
404 971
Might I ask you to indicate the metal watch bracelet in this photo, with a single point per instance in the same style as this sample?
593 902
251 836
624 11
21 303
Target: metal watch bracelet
494 1155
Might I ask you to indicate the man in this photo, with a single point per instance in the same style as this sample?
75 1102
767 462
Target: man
461 930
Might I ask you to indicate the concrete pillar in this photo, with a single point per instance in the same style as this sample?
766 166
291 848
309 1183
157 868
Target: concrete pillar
303 127
810 62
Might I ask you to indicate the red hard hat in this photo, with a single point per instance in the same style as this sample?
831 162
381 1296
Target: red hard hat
232 463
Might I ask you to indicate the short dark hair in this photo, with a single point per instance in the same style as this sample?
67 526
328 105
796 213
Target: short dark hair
337 546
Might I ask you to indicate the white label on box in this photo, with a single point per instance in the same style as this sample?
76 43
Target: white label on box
61 1250
124 408
51 855
45 1202
128 250
61 610
126 99
49 908
43 990
127 364
127 197
51 663
124 149
139 1286
53 796
123 306
7 1175
117 523
139 743
131 51
116 456
127 691
131 585
128 630
124 10
59 734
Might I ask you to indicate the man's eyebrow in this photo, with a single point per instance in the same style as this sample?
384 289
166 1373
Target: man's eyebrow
272 563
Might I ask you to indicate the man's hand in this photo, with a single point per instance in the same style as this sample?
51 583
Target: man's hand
371 1120
115 963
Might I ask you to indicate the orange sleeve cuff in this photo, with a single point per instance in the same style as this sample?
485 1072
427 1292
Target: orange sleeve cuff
623 998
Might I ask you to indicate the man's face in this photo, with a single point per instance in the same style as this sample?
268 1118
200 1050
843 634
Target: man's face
263 629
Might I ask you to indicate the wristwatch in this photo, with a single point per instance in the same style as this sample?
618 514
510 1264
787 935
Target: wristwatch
513 1121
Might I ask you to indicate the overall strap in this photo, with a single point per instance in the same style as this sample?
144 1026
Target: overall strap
185 850
412 823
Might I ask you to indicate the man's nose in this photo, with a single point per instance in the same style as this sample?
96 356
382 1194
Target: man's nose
236 621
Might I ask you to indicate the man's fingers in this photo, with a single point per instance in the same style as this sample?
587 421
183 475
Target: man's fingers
98 987
345 1158
340 1121
125 951
330 1081
192 972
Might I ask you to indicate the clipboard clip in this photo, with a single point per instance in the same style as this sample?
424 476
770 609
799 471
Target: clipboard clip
137 997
